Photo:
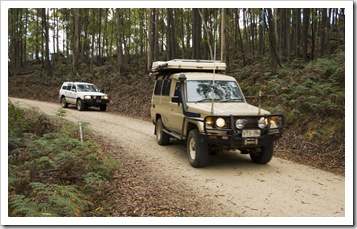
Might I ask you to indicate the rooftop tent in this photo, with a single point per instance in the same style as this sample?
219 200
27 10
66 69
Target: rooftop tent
178 65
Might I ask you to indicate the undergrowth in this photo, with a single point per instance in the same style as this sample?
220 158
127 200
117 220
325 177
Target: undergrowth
53 173
312 96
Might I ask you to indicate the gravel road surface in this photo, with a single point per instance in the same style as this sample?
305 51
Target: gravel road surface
235 185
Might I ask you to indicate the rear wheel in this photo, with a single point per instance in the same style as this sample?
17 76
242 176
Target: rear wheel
162 138
197 150
264 156
80 105
64 102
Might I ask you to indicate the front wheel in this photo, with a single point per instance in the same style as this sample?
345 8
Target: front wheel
103 107
197 150
264 156
80 105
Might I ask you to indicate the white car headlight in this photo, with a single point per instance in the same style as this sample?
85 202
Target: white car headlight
87 97
240 123
262 123
105 97
220 122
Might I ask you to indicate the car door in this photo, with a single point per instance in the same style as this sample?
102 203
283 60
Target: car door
72 94
175 109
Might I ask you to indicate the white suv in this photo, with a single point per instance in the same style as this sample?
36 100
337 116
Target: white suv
83 95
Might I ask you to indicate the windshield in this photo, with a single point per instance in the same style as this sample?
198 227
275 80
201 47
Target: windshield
86 87
224 91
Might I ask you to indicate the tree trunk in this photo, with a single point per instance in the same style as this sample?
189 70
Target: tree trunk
306 12
240 39
298 32
170 35
150 41
223 36
313 34
75 42
323 31
261 33
120 57
156 35
45 24
252 37
207 34
99 48
273 52
25 41
196 34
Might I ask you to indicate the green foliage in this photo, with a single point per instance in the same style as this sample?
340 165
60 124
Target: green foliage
61 113
311 98
53 173
49 200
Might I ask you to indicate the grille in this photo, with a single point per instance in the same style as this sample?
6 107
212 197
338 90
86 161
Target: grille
251 124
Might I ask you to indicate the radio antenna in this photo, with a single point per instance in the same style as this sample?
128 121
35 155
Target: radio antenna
214 71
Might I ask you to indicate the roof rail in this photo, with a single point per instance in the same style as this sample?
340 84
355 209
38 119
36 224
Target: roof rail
177 65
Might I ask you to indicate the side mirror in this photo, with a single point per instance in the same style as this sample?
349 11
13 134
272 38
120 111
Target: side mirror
73 89
175 99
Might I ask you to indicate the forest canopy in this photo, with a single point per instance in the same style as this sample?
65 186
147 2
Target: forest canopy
132 38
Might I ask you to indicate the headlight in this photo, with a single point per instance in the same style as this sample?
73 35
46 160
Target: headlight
220 122
87 97
105 97
240 123
262 123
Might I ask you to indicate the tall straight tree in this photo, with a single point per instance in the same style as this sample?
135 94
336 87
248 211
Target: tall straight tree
120 56
47 41
75 42
223 35
323 31
171 44
240 43
196 34
305 34
273 51
150 40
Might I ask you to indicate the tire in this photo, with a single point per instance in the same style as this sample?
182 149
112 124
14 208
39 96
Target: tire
162 138
103 107
80 105
264 156
64 102
197 150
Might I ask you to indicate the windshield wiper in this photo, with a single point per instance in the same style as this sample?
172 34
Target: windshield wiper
203 100
231 100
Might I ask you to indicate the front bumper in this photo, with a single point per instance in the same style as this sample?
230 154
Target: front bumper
95 102
232 137
236 141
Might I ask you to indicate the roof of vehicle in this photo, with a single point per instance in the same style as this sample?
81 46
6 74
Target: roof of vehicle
203 76
76 83
183 65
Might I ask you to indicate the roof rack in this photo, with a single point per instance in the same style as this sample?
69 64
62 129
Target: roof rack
179 65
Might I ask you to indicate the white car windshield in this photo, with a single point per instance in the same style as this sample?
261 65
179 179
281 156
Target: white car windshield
86 87
224 91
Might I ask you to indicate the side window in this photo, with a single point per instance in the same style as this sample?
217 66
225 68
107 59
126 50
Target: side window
69 87
177 89
166 87
158 86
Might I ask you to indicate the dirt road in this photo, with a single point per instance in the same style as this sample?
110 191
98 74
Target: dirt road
231 181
